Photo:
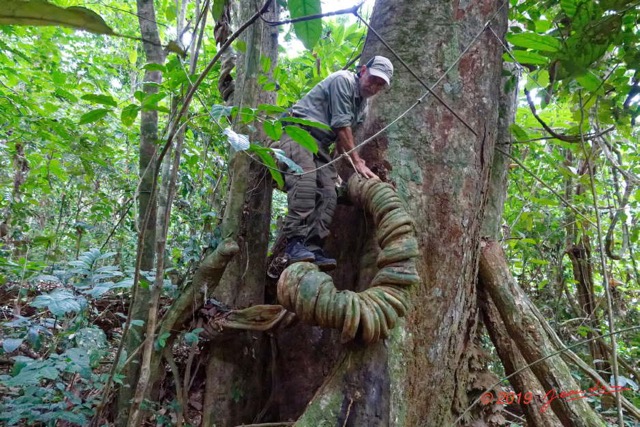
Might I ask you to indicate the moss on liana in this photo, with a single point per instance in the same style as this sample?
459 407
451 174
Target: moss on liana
370 314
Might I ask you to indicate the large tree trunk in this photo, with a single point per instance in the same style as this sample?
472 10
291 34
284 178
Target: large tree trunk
441 171
581 261
527 331
235 373
148 144
524 381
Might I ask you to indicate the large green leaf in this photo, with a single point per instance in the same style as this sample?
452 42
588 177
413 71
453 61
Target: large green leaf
101 99
519 133
535 41
569 6
306 122
590 82
218 8
11 344
302 137
41 12
280 155
129 114
273 129
526 57
59 302
265 156
308 32
93 116
271 109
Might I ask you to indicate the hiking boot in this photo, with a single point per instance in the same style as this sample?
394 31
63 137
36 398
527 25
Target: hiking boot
298 252
325 263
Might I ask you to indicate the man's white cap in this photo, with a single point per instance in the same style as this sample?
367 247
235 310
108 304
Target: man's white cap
380 66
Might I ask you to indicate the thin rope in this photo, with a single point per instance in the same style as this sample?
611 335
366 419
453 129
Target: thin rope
415 104
435 95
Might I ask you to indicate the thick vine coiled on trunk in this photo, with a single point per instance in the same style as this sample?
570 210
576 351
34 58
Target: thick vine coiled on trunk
372 314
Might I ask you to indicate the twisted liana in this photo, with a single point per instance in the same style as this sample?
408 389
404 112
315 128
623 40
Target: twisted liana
372 313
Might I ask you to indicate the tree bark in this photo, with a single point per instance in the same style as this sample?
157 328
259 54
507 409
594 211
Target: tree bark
148 140
441 171
523 382
580 256
235 375
525 329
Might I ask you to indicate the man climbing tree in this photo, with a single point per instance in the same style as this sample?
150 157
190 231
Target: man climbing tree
338 102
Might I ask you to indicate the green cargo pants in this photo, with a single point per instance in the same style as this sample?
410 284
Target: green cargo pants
311 197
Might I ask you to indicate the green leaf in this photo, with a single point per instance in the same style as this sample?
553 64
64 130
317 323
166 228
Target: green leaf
263 153
542 25
269 87
129 114
265 64
161 342
273 129
155 67
247 114
569 7
240 46
525 57
302 137
306 122
170 12
218 8
590 82
271 109
41 12
174 46
150 102
133 57
70 417
308 32
535 41
58 78
191 338
59 302
287 161
519 133
93 116
65 95
11 344
615 4
101 99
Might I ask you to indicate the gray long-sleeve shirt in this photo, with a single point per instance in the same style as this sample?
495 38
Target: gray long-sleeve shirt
335 102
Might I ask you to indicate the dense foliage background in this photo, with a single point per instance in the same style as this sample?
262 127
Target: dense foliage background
69 135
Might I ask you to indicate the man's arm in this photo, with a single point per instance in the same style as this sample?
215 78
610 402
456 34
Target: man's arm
346 143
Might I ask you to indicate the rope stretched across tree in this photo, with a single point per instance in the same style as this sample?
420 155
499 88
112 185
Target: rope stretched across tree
312 296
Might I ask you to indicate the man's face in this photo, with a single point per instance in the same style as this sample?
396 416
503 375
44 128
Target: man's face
370 85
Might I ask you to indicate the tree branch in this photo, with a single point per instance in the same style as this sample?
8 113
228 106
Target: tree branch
353 10
565 138
558 195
